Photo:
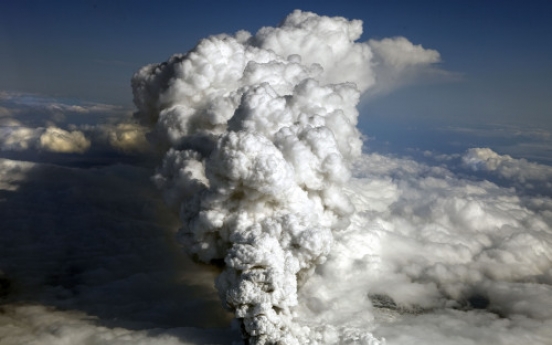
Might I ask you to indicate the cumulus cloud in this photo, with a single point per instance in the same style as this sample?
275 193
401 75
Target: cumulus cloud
50 139
58 140
126 137
31 122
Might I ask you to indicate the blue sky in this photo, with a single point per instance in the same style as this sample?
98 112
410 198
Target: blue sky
88 50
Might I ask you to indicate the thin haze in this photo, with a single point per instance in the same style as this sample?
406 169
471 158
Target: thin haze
244 151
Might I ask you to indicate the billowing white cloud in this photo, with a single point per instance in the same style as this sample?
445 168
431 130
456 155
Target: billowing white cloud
260 131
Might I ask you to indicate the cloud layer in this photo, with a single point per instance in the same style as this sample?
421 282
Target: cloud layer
528 175
431 258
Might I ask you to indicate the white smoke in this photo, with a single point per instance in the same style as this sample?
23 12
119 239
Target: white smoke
260 136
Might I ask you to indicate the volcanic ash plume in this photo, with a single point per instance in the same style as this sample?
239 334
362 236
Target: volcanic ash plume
259 133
